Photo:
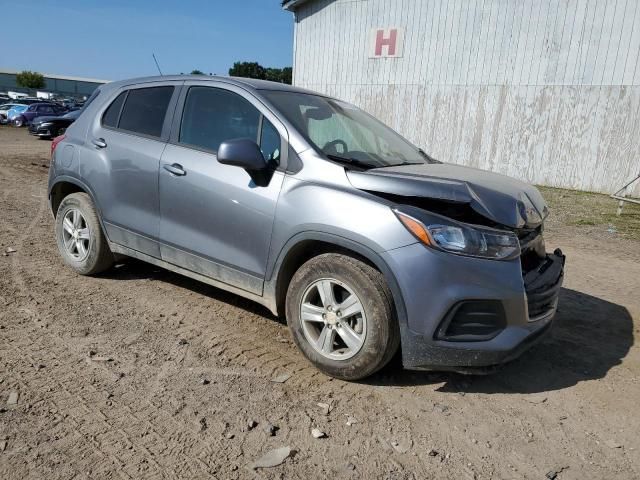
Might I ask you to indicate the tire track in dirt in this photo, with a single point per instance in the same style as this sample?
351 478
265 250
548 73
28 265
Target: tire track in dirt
18 277
231 345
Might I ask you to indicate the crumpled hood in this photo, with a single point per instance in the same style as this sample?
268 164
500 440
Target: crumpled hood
499 198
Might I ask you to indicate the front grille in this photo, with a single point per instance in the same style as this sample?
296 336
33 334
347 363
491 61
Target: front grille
542 285
532 249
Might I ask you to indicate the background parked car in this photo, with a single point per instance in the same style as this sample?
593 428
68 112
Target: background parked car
15 111
38 110
4 112
49 127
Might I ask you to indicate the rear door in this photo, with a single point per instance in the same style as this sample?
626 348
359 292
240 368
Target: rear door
125 144
214 220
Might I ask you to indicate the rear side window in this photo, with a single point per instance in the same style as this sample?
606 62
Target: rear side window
144 110
212 116
110 117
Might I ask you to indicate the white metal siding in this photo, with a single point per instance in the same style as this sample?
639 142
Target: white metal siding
543 90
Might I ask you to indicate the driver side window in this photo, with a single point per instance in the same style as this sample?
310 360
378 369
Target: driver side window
214 115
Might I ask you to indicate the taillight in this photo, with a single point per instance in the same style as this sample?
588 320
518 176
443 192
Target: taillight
55 143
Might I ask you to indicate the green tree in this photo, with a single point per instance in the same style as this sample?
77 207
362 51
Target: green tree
28 79
255 70
197 72
273 74
248 70
287 75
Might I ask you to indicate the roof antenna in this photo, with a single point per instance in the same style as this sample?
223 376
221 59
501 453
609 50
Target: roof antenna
156 60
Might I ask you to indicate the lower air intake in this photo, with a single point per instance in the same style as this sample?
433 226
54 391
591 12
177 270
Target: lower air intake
473 321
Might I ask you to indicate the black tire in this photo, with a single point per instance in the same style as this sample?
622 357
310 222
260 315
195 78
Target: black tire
382 332
99 257
18 122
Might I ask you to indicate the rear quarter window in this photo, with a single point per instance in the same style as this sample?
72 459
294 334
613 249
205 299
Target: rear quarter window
112 113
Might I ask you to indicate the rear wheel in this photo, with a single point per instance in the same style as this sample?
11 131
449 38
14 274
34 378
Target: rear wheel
340 312
18 122
79 236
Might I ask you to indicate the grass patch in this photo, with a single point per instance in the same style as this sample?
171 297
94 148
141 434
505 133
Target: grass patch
591 210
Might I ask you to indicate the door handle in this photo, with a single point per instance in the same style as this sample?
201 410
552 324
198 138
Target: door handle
99 142
175 169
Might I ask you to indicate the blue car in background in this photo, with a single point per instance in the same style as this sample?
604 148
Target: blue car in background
37 110
4 111
15 111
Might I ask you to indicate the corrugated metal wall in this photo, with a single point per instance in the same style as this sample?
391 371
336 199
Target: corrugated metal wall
543 90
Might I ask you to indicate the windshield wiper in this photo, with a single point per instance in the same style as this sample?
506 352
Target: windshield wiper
350 161
429 158
406 163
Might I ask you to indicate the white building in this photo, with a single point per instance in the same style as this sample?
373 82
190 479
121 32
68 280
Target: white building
544 90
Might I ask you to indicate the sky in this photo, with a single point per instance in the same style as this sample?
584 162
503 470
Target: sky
114 39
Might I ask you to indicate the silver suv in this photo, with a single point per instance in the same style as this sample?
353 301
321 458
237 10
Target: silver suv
313 208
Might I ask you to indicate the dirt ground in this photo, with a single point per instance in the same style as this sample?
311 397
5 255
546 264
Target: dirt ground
141 373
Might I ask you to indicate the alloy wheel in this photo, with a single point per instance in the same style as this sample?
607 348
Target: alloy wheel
76 235
333 319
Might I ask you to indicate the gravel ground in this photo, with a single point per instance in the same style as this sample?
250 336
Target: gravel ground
141 373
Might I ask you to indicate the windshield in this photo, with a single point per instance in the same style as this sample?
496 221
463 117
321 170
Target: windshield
343 132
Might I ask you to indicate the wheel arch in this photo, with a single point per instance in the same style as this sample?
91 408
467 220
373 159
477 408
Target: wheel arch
307 245
64 186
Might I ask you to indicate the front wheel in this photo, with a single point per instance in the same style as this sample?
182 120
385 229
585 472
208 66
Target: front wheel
18 122
340 312
79 236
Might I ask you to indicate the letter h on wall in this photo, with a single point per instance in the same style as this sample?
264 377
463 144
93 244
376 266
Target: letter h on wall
386 42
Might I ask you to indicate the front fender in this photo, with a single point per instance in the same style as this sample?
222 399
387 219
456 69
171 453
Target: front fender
270 287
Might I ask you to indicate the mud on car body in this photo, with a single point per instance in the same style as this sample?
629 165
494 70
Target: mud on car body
313 208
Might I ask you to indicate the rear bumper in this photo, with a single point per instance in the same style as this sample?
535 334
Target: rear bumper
433 283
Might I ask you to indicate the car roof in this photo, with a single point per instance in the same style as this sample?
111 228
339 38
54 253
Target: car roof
250 83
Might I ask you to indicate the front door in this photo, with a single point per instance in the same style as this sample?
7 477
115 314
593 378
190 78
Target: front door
214 219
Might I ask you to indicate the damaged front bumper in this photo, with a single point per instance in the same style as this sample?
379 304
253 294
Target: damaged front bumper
506 310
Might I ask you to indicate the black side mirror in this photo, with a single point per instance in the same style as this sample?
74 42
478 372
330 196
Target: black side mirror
246 153
243 153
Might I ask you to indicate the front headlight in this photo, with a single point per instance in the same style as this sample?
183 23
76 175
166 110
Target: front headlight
462 239
45 124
